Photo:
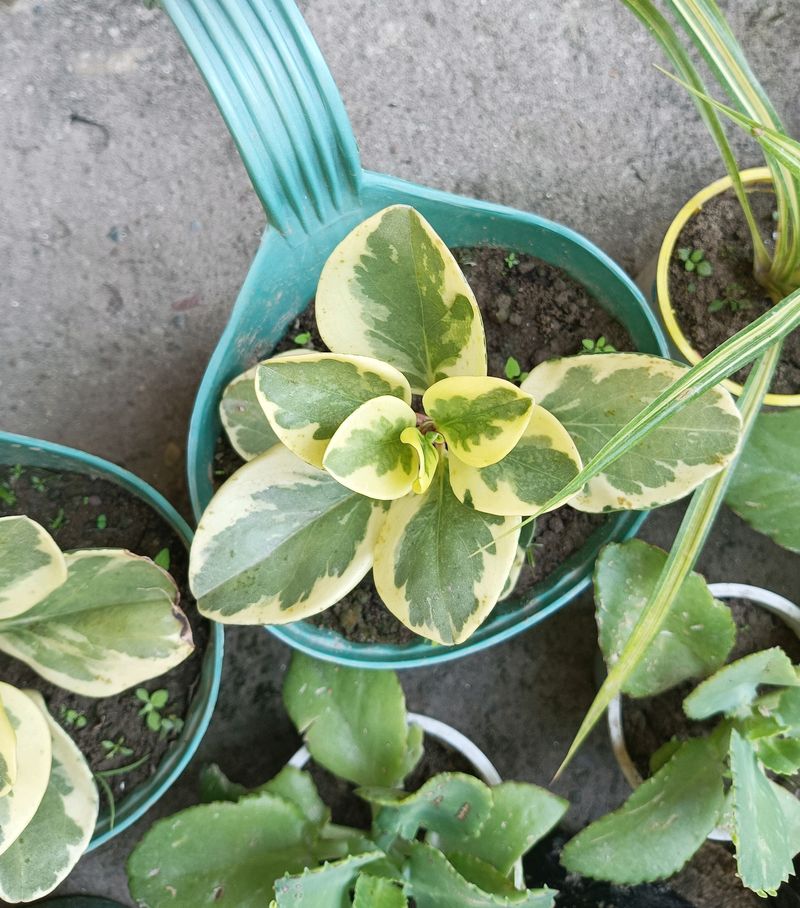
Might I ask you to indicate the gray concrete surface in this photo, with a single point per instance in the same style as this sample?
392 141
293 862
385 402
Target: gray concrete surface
127 225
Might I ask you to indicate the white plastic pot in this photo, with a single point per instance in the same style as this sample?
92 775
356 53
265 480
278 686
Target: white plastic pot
444 734
783 608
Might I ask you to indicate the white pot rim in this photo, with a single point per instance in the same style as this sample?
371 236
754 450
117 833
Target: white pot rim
445 734
779 606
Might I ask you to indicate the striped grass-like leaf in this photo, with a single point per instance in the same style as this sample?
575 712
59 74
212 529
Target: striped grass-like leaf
392 289
112 624
425 570
243 417
307 397
57 835
281 540
31 565
34 755
543 461
367 453
595 396
480 418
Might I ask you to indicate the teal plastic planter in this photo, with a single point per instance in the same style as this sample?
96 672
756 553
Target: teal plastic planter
30 452
282 107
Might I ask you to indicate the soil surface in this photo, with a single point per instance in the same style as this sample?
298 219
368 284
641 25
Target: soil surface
720 231
83 512
533 312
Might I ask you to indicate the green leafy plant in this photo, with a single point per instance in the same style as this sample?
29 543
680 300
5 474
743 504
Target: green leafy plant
511 260
694 261
453 841
513 372
116 748
344 473
756 702
302 339
73 718
734 300
601 345
38 484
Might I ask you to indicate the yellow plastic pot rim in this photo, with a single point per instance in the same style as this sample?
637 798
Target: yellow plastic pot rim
689 210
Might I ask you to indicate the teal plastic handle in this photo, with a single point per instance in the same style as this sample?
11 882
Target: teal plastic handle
281 106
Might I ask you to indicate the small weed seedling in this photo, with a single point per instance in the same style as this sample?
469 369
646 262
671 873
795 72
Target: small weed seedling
601 345
58 521
38 483
16 472
694 261
513 371
102 521
302 339
102 777
734 300
511 260
116 748
73 718
163 559
154 703
7 496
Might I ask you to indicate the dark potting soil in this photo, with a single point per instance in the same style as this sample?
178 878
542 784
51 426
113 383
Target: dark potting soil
84 512
531 311
650 722
720 231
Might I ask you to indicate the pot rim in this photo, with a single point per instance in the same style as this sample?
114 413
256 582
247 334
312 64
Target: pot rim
689 210
43 454
445 734
778 605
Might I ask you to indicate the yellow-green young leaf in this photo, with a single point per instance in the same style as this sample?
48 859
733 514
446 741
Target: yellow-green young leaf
367 453
426 568
543 461
112 624
481 418
34 751
595 396
392 289
54 840
31 565
8 752
280 541
428 455
377 892
243 417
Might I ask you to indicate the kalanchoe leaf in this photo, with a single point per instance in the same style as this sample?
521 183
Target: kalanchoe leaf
780 755
31 565
697 637
327 886
428 455
281 540
307 396
483 875
392 289
733 688
214 785
377 892
243 417
481 419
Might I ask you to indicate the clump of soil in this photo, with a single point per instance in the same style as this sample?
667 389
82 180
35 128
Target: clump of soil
720 231
82 511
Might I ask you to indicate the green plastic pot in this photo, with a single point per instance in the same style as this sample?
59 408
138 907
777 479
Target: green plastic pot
284 112
30 452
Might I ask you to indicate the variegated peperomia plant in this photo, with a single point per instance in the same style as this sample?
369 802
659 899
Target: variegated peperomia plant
397 452
94 622
725 779
452 842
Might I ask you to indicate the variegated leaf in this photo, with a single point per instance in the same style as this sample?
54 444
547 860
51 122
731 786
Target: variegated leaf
428 454
31 565
367 453
34 754
54 840
113 624
513 575
243 417
543 461
440 566
306 397
480 418
8 752
595 396
280 541
392 289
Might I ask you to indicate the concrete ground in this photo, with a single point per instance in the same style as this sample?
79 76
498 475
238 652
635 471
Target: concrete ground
127 224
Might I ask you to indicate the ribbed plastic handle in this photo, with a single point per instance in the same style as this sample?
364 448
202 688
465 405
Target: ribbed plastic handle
280 103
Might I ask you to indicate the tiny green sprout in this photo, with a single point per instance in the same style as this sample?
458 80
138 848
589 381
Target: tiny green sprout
600 345
85 500
303 338
170 724
513 371
694 260
16 471
162 559
38 483
511 260
691 287
102 521
153 704
73 718
734 300
58 521
116 748
7 496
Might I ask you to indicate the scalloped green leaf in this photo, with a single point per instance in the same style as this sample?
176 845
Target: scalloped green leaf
660 826
595 396
243 417
327 886
31 565
697 635
377 892
392 289
281 540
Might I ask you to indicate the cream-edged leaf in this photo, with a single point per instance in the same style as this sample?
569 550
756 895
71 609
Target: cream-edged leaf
54 840
367 453
281 540
243 417
480 418
392 289
307 396
543 461
34 752
595 396
8 752
440 566
31 565
428 455
112 624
